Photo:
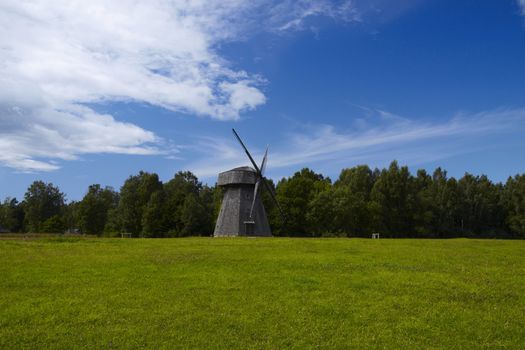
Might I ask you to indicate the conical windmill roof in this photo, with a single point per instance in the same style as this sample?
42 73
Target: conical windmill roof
243 168
238 176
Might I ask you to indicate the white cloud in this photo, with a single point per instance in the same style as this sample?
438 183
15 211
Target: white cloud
521 3
292 14
57 56
377 138
45 133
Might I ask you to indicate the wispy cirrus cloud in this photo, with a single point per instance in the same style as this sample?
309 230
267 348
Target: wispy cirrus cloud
292 14
521 4
58 57
378 137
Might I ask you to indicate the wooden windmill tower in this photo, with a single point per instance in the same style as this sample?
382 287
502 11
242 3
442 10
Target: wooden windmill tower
242 212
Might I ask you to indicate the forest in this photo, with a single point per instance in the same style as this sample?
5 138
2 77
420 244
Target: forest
391 201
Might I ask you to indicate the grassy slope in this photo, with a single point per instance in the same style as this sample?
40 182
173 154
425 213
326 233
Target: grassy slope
262 293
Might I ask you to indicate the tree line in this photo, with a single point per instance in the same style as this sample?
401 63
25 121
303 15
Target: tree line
390 201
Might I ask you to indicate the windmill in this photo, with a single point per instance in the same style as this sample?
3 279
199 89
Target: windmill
242 212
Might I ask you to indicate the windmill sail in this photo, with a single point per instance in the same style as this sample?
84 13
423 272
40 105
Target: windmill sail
260 175
256 189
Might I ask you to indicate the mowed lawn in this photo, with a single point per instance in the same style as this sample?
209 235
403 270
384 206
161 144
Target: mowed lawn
264 293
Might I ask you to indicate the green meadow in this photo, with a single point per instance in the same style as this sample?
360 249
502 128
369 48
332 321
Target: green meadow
264 293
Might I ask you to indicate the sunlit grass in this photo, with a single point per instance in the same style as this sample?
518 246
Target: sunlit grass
261 293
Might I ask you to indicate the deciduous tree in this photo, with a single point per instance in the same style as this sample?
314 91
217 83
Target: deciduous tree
41 202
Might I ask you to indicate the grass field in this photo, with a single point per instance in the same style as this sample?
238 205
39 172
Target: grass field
262 293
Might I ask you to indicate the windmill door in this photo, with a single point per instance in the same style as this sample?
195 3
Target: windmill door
249 228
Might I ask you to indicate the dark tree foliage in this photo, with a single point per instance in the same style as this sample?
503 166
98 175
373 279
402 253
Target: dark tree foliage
183 184
53 224
442 206
154 217
395 203
514 201
481 208
147 207
295 194
354 213
390 201
42 202
134 197
210 201
114 224
321 214
70 216
393 198
92 211
12 215
193 216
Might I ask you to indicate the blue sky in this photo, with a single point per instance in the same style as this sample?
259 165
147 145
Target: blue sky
93 93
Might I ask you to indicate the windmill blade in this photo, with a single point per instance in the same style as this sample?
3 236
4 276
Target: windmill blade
263 164
268 187
270 191
256 189
247 153
283 217
255 192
